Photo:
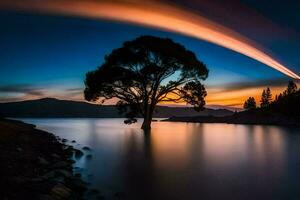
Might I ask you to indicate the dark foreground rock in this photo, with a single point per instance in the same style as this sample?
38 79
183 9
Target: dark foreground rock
35 165
247 117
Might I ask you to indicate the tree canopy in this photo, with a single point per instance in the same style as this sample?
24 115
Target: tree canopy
250 103
144 72
287 102
291 88
266 98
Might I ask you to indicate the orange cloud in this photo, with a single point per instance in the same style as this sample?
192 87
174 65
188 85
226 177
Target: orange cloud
157 15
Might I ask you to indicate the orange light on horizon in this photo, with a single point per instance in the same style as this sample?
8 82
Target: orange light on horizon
238 97
156 15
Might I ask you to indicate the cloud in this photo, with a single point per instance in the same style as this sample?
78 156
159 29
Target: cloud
21 92
244 85
169 17
75 89
26 89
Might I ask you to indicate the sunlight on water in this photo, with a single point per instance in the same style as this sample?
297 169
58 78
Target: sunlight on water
184 160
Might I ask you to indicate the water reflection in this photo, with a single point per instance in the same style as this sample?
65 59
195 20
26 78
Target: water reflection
185 160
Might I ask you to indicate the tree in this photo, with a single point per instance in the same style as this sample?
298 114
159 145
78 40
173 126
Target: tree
291 89
250 103
266 98
147 71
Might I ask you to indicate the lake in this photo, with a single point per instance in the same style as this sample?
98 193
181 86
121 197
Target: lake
180 161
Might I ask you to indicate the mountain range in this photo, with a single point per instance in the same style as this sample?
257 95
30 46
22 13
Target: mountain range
55 108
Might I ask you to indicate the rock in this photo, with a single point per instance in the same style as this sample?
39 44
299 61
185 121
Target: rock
60 164
69 150
68 147
78 153
64 173
86 148
54 155
49 175
18 180
100 197
78 184
64 140
71 161
19 149
38 179
60 192
93 192
42 161
45 197
119 195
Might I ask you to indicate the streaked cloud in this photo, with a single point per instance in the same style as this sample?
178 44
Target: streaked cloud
242 85
21 92
22 88
158 15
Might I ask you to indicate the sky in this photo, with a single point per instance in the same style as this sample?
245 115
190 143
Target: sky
47 54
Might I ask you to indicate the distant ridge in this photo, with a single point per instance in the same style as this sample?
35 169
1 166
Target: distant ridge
284 111
55 108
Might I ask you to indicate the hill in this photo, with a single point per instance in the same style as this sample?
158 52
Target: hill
283 111
51 108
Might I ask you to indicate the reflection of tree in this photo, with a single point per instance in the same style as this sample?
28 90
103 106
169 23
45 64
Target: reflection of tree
93 136
265 147
138 167
196 143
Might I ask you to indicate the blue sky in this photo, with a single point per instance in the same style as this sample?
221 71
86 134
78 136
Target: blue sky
51 54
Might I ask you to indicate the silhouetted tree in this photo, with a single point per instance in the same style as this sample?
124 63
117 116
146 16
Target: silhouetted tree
250 103
266 98
291 89
287 102
279 97
145 72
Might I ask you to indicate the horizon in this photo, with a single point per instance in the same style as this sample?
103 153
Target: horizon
213 107
49 54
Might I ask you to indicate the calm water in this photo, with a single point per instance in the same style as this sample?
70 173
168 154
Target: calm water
185 160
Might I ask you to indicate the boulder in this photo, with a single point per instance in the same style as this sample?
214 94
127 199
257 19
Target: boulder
60 164
86 148
42 161
54 155
64 140
65 173
60 192
78 153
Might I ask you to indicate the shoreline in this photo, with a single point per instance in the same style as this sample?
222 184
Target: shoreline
35 164
243 118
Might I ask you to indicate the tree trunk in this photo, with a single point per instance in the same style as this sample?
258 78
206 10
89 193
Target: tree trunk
146 124
147 119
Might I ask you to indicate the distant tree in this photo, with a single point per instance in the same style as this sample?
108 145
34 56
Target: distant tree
279 97
291 89
266 98
287 102
250 103
147 71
